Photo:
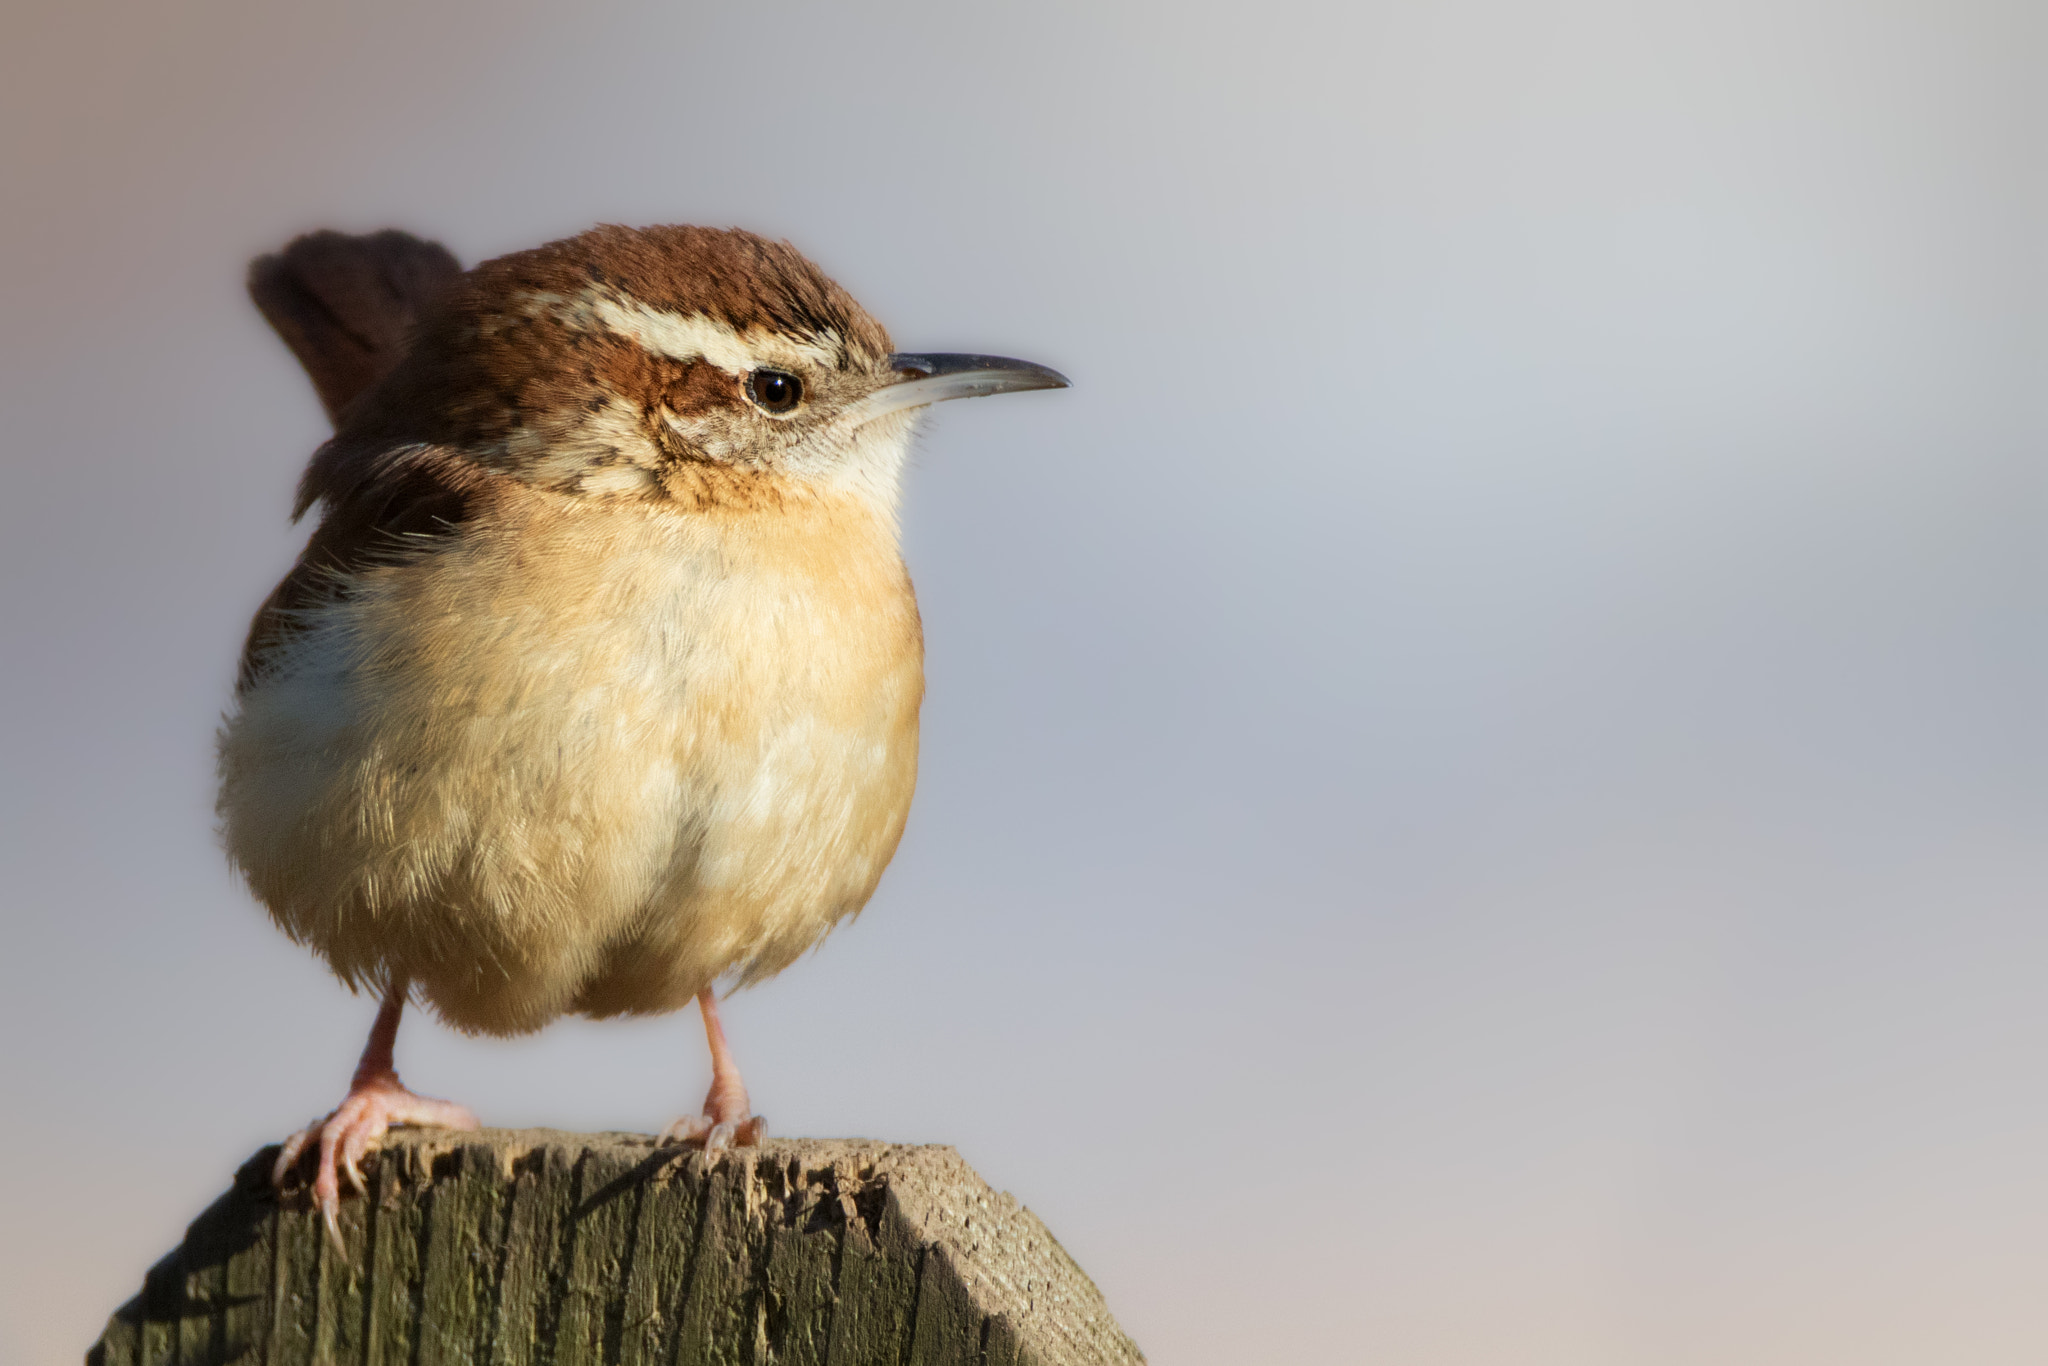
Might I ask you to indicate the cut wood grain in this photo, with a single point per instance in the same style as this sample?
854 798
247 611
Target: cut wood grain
538 1248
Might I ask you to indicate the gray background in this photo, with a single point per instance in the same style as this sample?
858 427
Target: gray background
1485 769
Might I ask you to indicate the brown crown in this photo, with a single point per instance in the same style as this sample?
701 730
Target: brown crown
487 360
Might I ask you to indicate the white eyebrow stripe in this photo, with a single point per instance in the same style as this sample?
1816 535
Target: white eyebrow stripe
686 337
670 334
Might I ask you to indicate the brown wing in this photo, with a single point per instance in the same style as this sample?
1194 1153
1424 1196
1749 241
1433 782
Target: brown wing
345 304
415 497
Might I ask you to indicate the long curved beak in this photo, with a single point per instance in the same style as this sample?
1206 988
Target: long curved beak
934 379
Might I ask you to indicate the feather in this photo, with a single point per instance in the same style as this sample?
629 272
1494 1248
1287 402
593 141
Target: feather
346 305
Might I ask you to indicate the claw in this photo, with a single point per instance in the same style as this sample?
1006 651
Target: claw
355 1130
288 1154
688 1129
376 1100
715 1138
358 1141
330 1212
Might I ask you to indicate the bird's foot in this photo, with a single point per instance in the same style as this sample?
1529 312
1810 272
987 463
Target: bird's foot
728 1120
716 1134
374 1103
725 1123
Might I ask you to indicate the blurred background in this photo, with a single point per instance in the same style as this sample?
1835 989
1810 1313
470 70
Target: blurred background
1485 769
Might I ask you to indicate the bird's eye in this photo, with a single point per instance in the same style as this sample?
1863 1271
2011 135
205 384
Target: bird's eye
775 391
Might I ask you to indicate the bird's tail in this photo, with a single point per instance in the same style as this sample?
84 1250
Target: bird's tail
346 304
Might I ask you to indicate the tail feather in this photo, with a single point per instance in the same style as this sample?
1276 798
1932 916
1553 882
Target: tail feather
345 305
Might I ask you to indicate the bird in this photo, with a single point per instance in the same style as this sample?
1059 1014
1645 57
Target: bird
596 685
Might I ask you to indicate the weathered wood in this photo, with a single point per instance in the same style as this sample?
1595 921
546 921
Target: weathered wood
536 1248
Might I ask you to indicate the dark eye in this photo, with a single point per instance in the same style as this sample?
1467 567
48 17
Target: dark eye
775 391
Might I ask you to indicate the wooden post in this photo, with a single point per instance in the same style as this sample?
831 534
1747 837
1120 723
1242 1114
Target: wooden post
539 1248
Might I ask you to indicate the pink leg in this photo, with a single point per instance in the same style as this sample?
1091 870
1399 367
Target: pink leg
726 1121
376 1100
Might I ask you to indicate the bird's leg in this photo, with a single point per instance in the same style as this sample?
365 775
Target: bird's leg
726 1121
376 1100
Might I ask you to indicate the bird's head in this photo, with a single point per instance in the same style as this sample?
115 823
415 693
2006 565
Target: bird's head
667 364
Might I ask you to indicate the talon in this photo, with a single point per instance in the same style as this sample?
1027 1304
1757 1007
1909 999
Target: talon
688 1129
330 1214
354 1144
288 1155
376 1100
356 1129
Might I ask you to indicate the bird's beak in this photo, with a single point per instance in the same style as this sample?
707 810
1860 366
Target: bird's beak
934 379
